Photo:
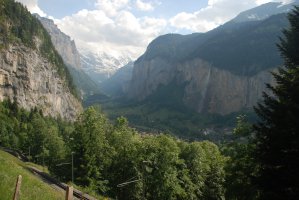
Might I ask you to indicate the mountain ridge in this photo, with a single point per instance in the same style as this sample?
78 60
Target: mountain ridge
221 71
102 65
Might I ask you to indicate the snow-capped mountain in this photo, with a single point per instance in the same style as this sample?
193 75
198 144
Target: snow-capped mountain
266 10
66 47
101 65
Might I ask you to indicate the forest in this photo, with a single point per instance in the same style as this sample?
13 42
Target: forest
106 155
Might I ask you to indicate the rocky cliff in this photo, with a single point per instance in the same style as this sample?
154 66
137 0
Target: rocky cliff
63 43
206 89
221 71
66 47
32 73
32 81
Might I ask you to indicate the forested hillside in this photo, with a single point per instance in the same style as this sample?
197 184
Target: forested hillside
106 155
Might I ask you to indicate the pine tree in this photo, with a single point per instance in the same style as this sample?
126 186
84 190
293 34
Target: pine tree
277 132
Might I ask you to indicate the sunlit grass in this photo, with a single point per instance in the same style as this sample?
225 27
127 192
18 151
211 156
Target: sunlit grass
31 188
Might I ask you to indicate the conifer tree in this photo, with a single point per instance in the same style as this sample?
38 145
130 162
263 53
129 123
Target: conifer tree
277 132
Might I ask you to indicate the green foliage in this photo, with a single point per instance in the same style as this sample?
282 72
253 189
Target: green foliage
110 156
156 116
161 156
205 166
17 25
240 166
107 157
30 131
126 161
91 149
277 140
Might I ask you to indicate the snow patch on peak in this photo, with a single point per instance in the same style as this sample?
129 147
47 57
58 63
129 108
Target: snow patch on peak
101 65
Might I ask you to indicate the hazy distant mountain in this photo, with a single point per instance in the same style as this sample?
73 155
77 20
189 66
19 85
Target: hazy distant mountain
71 57
221 71
100 66
119 82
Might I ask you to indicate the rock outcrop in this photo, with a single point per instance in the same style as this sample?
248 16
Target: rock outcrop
221 71
32 81
206 89
66 47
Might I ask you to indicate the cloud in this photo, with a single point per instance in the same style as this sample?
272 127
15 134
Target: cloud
112 32
143 6
217 12
111 7
113 28
33 7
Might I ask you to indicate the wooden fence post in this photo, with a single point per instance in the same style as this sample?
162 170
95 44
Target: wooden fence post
18 187
69 193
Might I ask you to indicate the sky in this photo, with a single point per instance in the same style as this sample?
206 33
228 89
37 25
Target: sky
126 27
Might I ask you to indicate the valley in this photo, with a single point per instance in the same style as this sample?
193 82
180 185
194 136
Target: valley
151 100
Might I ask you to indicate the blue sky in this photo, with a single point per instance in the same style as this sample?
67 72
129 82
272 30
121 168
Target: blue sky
126 27
62 8
164 8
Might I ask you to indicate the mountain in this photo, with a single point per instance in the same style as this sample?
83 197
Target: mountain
264 11
71 57
32 73
219 72
118 83
102 65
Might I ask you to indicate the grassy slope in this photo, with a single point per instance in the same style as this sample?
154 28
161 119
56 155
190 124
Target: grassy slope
31 188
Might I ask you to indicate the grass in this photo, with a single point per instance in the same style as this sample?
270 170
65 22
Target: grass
41 168
31 188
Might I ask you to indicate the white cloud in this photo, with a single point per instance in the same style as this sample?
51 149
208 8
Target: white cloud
144 6
120 32
112 26
32 6
111 7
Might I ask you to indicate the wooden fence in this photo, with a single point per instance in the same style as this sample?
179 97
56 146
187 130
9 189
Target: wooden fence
68 194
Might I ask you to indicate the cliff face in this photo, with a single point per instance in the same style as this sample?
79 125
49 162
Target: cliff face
63 43
71 57
221 71
206 89
32 73
32 81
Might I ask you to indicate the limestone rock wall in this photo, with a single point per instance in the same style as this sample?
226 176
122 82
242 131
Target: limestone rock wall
32 81
206 88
